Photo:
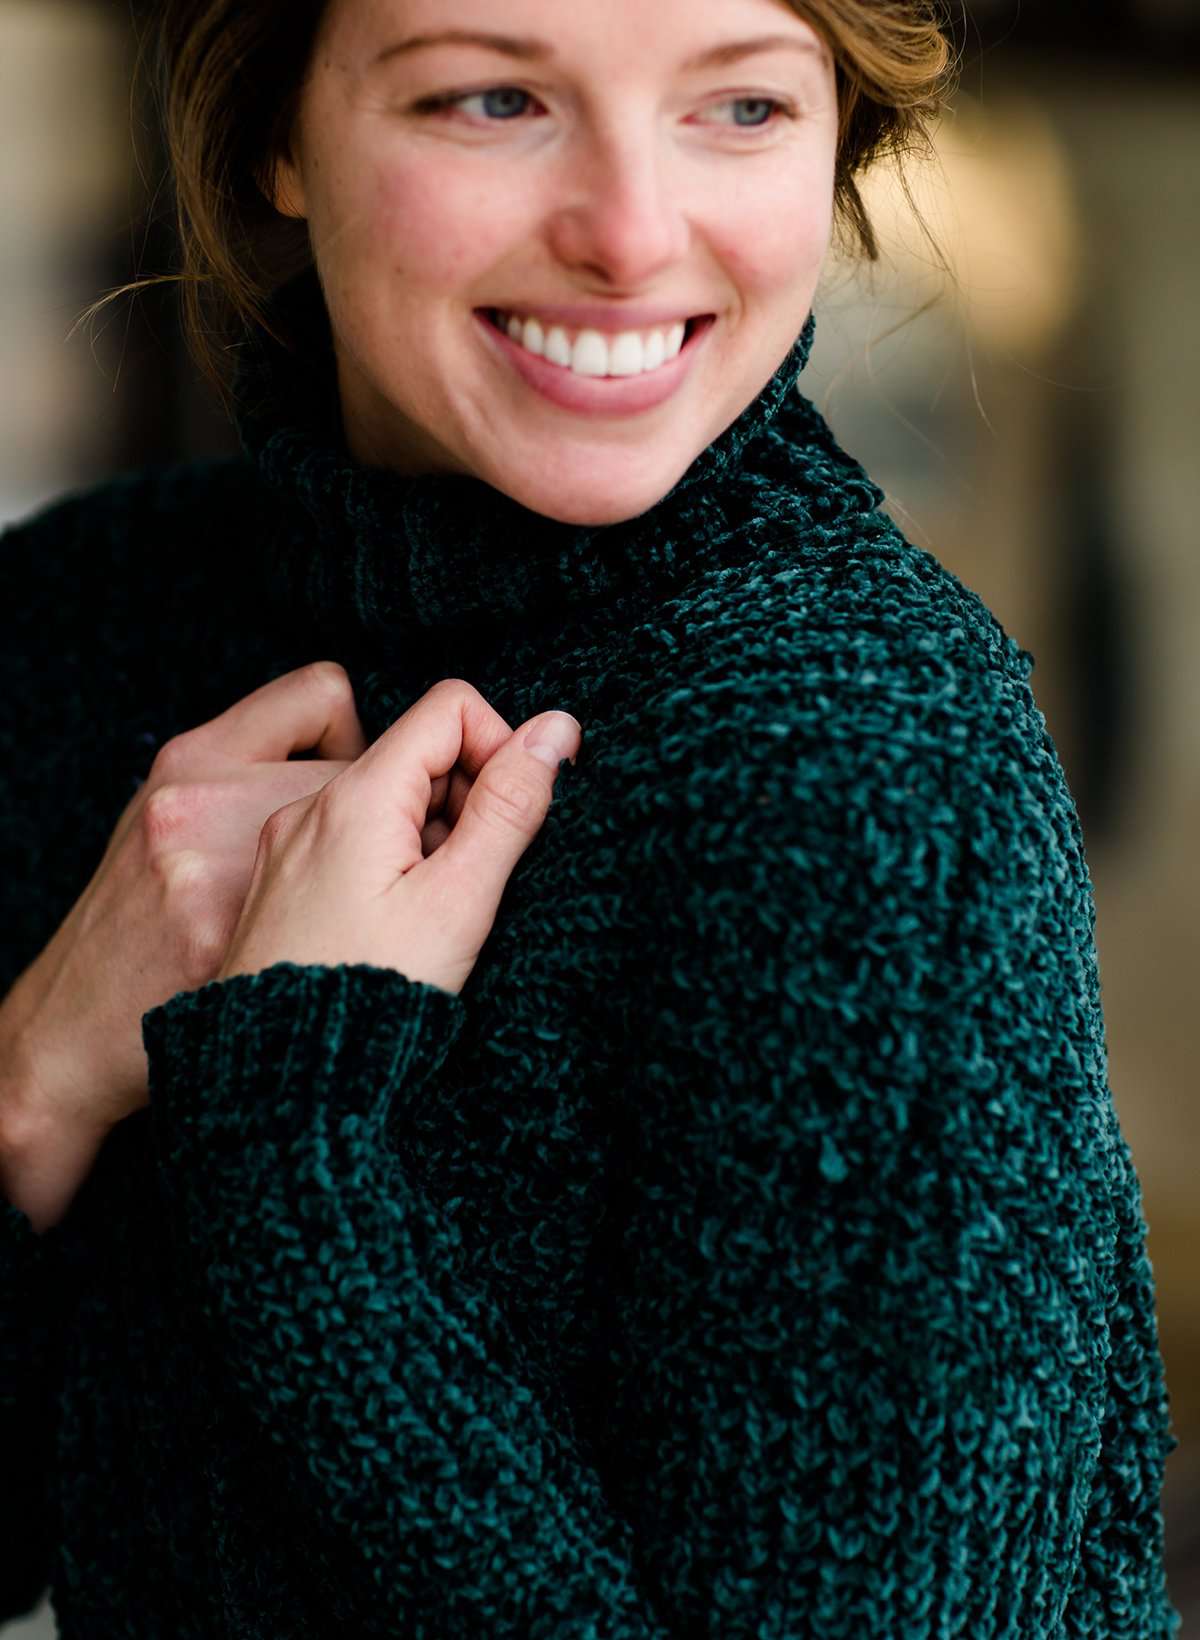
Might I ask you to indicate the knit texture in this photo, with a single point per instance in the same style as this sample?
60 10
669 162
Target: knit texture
750 1250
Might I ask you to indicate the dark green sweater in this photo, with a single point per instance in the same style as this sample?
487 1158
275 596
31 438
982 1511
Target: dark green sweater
750 1250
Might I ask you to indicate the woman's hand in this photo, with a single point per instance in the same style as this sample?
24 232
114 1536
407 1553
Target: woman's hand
155 919
393 864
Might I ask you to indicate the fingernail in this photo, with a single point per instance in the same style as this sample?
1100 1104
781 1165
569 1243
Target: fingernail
553 738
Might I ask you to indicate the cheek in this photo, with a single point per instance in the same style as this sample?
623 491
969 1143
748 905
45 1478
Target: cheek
780 236
438 230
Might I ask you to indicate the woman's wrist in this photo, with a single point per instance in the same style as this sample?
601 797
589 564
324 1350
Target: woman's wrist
42 1162
41 1171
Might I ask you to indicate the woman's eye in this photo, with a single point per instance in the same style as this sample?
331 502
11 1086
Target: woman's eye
771 103
773 106
435 105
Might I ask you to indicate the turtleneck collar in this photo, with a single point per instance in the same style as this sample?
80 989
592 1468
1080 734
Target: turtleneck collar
384 553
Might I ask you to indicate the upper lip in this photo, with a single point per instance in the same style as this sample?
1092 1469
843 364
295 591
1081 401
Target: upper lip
610 319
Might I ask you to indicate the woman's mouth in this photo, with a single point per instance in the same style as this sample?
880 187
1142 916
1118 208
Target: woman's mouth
595 353
572 368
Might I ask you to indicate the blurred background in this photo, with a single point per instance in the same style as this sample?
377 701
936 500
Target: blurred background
1033 424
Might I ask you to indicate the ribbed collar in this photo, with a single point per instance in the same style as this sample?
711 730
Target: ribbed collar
379 553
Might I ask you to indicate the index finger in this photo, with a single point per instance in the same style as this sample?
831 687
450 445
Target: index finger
310 708
451 731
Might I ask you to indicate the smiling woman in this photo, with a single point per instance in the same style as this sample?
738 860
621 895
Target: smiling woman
232 80
646 1172
422 213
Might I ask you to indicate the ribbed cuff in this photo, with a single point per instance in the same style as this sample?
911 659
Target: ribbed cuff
254 1056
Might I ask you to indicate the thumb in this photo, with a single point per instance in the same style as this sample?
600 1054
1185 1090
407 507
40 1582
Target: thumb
509 799
549 738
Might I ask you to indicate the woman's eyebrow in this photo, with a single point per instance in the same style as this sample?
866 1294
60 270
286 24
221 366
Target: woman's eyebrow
731 51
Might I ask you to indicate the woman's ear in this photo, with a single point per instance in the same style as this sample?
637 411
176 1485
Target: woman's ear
283 186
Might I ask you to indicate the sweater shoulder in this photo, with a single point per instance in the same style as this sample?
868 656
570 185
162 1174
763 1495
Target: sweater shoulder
823 713
829 577
863 594
849 650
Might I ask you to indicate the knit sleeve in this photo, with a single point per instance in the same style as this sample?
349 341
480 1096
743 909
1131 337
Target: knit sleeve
404 1415
883 1358
27 1281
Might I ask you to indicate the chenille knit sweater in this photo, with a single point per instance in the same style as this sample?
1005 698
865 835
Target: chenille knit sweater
750 1251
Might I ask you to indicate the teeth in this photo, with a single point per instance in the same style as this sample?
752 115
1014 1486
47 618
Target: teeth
592 353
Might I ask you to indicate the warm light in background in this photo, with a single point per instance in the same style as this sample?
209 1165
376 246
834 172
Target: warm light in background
65 170
1000 201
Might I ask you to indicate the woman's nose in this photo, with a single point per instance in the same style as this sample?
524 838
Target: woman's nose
620 210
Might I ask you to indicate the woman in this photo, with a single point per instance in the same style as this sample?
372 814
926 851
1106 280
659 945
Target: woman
691 1206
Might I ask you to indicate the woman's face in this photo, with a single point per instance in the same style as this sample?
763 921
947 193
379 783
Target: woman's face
599 167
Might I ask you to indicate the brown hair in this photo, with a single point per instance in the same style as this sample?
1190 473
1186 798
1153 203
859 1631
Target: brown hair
227 79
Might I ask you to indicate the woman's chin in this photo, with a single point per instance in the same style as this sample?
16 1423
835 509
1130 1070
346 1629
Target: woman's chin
604 493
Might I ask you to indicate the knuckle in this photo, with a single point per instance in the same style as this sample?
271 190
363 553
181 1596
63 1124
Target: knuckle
202 948
183 873
330 678
274 827
456 689
192 910
166 811
510 801
173 758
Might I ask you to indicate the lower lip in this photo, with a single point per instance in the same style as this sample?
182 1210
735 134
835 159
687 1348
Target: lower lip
599 395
